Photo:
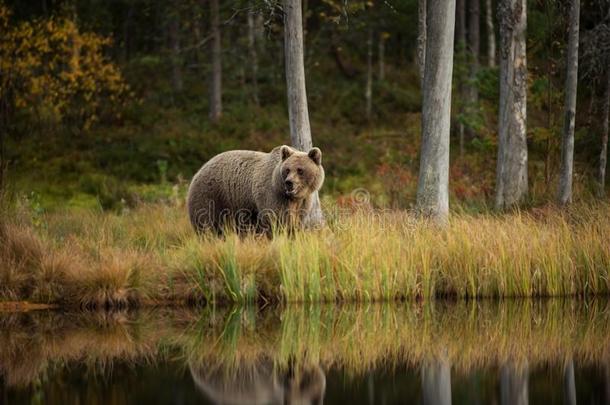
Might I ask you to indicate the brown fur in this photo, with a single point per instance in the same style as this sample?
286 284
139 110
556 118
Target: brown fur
250 190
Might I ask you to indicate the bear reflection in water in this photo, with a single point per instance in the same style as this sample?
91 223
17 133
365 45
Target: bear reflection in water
260 384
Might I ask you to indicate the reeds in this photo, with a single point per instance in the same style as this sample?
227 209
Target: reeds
151 256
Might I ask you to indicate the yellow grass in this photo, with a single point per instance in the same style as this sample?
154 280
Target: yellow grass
151 255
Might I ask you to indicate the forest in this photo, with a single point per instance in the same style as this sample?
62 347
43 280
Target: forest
465 147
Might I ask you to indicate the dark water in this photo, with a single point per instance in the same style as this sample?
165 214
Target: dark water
552 352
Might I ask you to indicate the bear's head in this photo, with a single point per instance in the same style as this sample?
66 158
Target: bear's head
301 173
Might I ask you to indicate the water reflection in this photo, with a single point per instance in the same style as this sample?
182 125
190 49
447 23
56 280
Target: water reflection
436 381
260 384
514 378
503 353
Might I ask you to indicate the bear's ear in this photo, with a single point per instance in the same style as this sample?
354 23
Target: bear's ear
315 154
286 152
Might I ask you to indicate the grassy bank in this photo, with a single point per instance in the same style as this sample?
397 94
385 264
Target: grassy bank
150 255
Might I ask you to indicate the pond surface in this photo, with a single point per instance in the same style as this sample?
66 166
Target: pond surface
511 352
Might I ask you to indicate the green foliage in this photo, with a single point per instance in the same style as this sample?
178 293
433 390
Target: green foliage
488 83
110 192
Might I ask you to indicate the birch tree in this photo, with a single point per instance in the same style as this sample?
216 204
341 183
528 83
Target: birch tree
433 182
567 146
460 40
215 87
298 115
491 35
511 172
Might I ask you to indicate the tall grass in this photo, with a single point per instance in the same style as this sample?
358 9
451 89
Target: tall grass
150 255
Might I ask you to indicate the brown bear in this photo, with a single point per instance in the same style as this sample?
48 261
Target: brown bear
255 191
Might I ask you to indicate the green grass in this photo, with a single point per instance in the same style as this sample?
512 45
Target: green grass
150 255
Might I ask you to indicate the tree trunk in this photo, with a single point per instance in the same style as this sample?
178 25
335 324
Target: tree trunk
381 56
436 382
569 383
460 40
567 146
300 132
514 384
126 37
253 55
474 48
491 35
368 93
421 39
174 39
433 183
259 29
305 11
603 156
511 174
216 74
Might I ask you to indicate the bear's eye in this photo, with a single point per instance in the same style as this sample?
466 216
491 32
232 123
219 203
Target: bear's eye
300 171
287 171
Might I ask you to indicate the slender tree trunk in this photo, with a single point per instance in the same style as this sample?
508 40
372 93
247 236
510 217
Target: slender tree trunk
511 174
126 37
253 55
569 383
491 35
368 93
514 384
381 56
174 39
259 30
305 32
216 74
567 146
421 39
603 156
300 132
436 382
460 28
433 183
474 48
591 109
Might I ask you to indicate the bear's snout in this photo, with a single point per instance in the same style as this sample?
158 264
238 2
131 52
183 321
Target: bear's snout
289 185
